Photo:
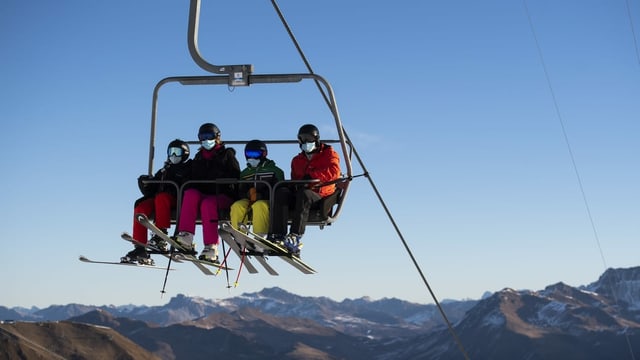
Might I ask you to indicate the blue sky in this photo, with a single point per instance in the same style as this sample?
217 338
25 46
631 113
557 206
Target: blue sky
447 103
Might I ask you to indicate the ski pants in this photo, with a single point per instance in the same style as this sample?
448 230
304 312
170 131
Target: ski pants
300 201
161 206
194 202
259 214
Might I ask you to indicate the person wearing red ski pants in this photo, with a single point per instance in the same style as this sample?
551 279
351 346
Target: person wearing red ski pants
161 205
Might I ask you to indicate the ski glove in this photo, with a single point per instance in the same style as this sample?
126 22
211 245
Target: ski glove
253 195
146 189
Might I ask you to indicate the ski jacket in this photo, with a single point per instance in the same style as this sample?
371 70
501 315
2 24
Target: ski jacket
217 163
176 173
268 171
323 165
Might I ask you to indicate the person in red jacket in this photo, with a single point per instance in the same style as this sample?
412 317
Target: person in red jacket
318 162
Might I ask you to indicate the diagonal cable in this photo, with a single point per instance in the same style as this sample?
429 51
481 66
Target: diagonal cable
395 226
633 31
573 162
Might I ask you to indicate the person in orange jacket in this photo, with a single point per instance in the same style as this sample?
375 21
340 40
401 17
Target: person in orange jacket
317 161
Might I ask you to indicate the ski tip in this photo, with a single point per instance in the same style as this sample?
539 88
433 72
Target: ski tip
82 258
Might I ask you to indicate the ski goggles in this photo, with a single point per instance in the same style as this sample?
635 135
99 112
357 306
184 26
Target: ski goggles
175 151
253 154
206 136
306 138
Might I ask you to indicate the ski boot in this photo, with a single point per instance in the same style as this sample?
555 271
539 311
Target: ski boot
138 255
277 239
293 244
185 240
159 243
210 254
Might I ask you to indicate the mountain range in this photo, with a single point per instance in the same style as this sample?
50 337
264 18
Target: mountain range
600 320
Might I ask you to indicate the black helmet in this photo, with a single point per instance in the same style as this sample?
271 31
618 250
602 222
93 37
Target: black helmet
183 149
308 133
208 131
255 149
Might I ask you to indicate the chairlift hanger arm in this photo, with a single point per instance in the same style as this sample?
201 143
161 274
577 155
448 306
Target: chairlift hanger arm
238 74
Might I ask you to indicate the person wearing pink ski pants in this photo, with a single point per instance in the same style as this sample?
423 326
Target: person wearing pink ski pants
194 202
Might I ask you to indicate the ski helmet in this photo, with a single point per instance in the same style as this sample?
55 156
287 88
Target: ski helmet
208 131
308 133
255 149
179 148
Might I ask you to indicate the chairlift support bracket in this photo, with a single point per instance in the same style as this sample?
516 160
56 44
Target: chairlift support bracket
237 75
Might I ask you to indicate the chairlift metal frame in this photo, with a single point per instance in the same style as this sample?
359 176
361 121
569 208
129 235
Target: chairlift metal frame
242 75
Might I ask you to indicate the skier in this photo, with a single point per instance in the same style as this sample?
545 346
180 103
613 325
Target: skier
212 161
256 195
317 161
159 198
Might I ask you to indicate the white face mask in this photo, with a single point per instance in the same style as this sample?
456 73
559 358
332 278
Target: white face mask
308 147
253 162
208 144
175 159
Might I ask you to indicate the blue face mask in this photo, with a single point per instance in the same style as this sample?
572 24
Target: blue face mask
253 162
208 144
308 147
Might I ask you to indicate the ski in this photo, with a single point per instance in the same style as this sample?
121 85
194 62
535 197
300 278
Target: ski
268 248
87 260
150 249
263 261
241 251
182 253
178 255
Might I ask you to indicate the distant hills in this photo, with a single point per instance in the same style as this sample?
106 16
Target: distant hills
597 321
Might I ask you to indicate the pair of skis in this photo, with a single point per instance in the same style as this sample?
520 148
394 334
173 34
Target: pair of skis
247 244
150 250
177 254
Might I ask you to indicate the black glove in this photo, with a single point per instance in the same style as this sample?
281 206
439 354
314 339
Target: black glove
145 189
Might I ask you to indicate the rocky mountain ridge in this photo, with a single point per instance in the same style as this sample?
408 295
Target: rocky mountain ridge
596 321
